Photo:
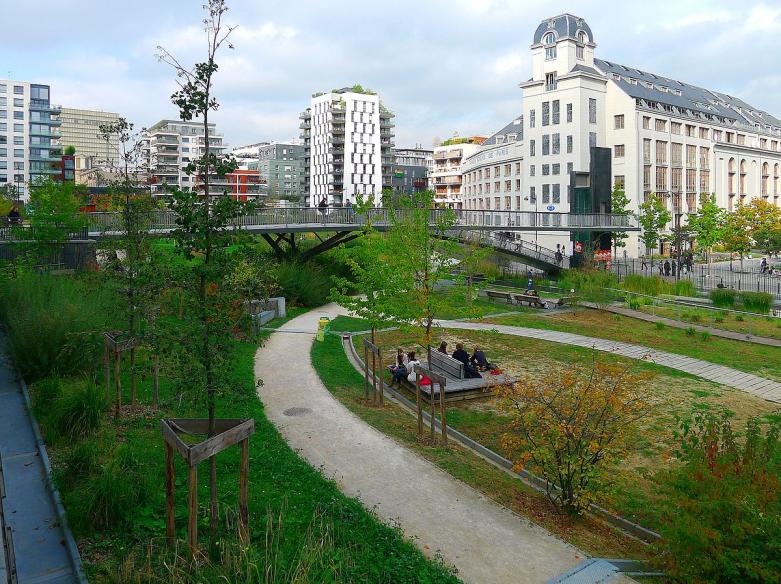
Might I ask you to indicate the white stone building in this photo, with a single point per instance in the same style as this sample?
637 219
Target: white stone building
447 176
348 147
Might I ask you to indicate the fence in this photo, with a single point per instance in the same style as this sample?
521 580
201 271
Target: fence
705 277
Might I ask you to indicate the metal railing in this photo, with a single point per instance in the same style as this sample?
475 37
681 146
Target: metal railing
511 242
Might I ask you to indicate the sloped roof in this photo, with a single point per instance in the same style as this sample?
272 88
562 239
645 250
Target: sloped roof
514 127
564 26
649 86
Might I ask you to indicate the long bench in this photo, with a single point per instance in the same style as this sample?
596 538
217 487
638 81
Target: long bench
531 299
496 294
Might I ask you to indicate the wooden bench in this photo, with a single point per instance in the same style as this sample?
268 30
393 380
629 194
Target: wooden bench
564 300
530 299
449 367
499 295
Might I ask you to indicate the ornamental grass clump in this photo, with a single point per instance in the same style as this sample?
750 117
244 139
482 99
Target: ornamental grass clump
759 302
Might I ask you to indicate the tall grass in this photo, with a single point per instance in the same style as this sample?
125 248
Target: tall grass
69 409
304 284
55 324
590 285
685 288
760 302
723 297
650 285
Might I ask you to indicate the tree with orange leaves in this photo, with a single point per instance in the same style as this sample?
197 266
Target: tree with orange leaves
570 424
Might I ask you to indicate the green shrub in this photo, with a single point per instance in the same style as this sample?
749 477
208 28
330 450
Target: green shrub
633 302
691 331
718 319
723 297
739 317
685 288
75 412
660 326
695 317
55 324
303 284
591 285
722 503
650 285
760 302
705 335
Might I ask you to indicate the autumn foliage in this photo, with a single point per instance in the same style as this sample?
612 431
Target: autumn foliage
570 425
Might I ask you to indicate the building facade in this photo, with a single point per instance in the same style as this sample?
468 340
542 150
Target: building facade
411 169
30 147
446 178
170 145
81 129
348 147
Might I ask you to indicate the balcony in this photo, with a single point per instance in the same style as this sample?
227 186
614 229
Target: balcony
305 125
338 129
457 153
37 105
46 158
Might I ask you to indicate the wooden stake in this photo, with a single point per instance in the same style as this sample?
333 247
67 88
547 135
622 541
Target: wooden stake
433 408
243 488
192 517
366 373
420 407
443 423
170 528
117 383
107 368
133 392
382 374
374 379
156 381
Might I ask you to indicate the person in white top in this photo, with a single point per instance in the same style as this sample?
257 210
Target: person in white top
411 362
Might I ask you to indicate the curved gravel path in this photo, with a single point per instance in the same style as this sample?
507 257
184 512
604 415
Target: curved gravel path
759 386
486 542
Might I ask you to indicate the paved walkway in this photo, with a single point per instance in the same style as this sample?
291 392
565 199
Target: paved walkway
27 508
716 332
485 541
753 384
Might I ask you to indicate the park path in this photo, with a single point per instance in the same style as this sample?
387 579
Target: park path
747 382
43 551
486 542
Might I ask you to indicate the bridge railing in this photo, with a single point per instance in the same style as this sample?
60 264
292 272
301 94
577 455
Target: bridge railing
102 222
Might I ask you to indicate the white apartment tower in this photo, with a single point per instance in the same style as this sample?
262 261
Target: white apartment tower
348 147
447 175
170 146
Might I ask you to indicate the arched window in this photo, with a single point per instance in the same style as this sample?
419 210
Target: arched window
731 176
549 40
743 177
582 37
765 178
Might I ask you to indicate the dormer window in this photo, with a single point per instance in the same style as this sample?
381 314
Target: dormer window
549 40
582 37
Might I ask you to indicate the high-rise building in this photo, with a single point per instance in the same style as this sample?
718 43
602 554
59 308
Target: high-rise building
30 147
446 177
411 169
348 145
171 145
280 166
81 129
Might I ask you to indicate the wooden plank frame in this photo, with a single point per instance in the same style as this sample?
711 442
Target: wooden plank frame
115 343
440 380
379 393
228 432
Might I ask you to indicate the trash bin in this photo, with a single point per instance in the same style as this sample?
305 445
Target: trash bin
322 327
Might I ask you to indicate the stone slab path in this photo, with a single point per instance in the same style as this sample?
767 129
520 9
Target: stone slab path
753 384
486 542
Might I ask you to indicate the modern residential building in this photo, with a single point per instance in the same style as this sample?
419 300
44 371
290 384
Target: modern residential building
170 145
348 147
30 147
589 124
447 173
81 129
281 169
411 169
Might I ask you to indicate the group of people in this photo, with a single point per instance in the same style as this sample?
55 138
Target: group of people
766 268
404 366
669 268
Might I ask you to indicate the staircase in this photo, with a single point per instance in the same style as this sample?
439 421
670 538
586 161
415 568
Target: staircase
532 254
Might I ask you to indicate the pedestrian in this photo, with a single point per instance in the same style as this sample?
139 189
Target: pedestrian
673 267
14 218
661 268
667 267
643 265
323 206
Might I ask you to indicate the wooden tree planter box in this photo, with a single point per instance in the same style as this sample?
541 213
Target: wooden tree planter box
115 343
227 433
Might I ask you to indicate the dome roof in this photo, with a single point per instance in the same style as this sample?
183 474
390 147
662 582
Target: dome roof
563 26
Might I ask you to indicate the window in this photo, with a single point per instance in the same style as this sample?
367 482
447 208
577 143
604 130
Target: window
619 150
531 148
647 150
619 181
557 194
582 38
677 154
18 152
507 169
545 194
531 118
550 81
592 139
646 123
518 185
661 179
18 102
619 122
569 144
545 113
19 128
555 111
555 169
3 114
569 168
18 90
550 52
592 111
532 195
545 144
517 168
3 151
3 88
579 52
531 170
704 157
661 152
508 184
545 169
741 137
569 112
675 128
555 144
704 133
18 140
691 156
661 125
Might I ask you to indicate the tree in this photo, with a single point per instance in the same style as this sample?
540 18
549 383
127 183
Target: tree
707 225
202 220
653 217
573 425
54 215
736 234
423 259
70 150
619 204
764 220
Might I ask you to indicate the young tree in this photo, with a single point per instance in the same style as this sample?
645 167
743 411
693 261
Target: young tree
53 211
203 217
424 260
707 225
764 220
573 425
653 218
619 204
736 234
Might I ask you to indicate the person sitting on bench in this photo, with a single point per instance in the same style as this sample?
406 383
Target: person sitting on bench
460 355
442 347
479 360
401 367
412 360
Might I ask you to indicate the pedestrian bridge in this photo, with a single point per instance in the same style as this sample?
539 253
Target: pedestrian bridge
345 220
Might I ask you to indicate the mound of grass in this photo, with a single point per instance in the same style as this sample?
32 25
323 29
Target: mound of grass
723 297
759 302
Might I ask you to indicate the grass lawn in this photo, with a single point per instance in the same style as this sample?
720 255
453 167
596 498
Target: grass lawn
346 384
755 325
761 360
303 528
632 492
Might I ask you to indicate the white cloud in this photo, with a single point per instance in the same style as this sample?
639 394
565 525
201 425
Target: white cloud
699 18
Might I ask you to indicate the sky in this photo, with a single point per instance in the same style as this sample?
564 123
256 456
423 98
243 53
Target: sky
444 67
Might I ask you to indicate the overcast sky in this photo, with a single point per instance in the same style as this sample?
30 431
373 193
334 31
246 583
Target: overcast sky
443 66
